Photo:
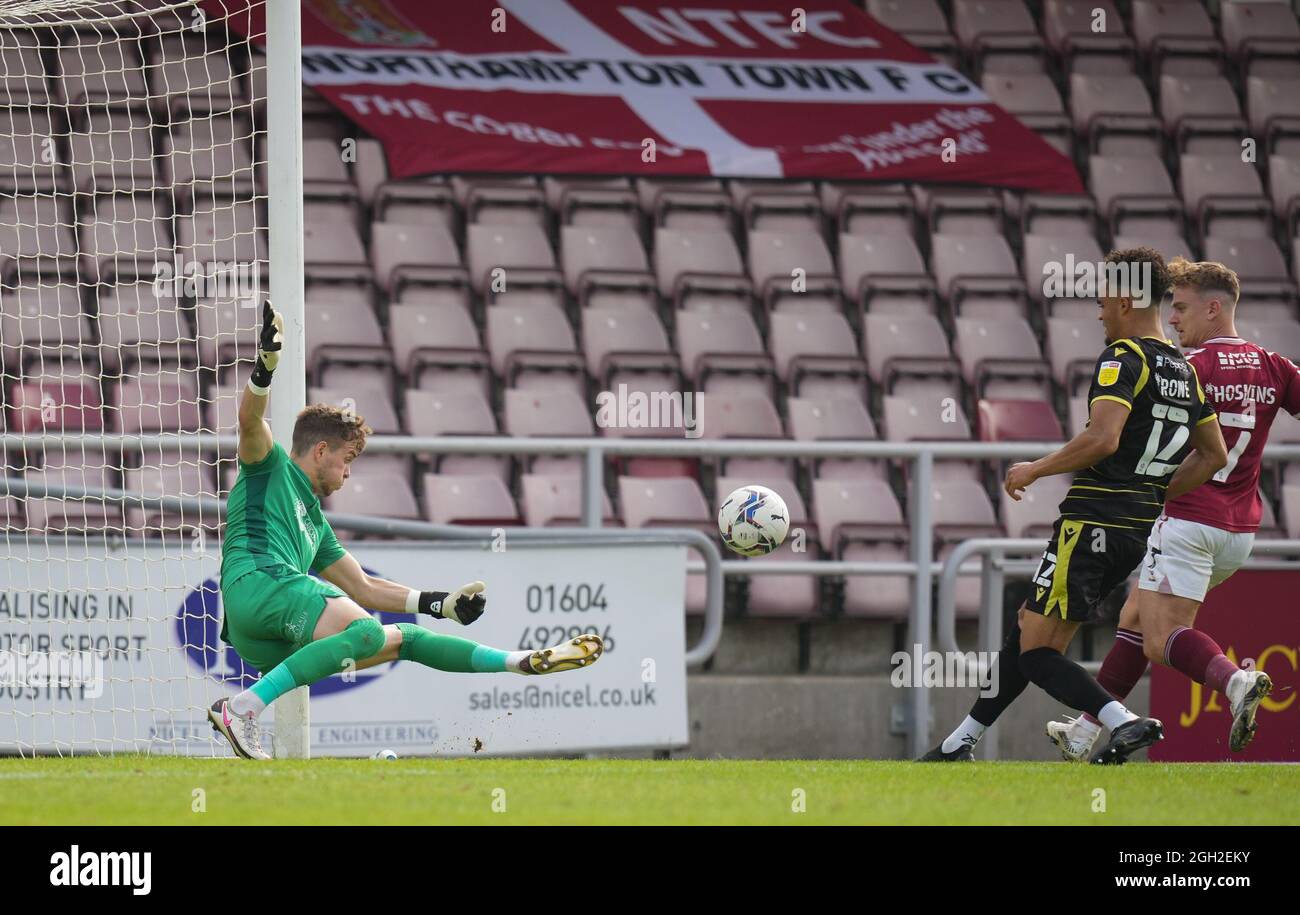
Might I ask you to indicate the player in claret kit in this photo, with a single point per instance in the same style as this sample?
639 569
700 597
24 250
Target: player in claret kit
297 629
1205 535
1146 410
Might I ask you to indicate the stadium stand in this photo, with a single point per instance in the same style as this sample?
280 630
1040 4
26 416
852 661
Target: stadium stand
920 307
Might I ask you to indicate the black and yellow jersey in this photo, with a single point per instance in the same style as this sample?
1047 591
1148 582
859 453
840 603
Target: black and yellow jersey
1160 388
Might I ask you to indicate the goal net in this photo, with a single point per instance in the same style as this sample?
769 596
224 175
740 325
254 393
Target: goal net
133 264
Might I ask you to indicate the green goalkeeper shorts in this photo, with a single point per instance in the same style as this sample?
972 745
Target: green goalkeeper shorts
272 612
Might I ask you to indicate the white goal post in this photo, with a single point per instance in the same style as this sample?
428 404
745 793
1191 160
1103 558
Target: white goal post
150 200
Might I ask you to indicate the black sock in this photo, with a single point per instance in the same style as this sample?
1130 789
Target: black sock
1064 680
1010 679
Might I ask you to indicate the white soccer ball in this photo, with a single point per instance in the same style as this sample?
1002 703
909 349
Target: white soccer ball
753 521
384 754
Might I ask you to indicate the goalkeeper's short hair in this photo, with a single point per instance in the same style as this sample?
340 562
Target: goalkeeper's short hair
325 423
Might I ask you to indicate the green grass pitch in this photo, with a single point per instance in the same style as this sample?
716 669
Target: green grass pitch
158 790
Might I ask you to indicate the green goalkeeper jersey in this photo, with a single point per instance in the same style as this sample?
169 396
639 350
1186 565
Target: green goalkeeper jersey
274 519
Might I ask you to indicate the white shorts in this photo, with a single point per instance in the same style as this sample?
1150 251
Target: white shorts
1187 559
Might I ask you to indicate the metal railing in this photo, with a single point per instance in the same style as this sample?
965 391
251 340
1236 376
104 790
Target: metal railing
920 457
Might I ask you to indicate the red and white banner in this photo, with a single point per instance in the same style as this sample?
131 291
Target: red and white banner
753 88
1251 615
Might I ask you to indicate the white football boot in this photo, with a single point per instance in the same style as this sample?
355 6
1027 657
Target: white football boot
1246 690
1074 737
239 730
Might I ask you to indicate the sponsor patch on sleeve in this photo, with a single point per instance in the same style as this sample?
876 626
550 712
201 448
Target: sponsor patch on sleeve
1108 374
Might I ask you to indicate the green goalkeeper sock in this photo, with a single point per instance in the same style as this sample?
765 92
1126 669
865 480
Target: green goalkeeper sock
360 640
449 652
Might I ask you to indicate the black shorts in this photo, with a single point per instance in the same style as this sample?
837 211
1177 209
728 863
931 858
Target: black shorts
1082 564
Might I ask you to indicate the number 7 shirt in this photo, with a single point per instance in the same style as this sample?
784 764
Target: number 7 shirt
1165 400
1247 385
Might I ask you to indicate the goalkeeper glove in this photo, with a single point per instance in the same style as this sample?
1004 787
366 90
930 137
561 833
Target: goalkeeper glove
464 605
268 348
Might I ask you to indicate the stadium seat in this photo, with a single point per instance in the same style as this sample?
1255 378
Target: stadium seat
155 401
777 260
37 317
1290 497
437 340
560 413
785 206
999 355
1284 185
1071 29
919 22
1261 268
532 339
1274 106
220 229
1045 255
1135 194
700 268
456 412
428 201
816 344
513 265
1224 196
998 35
180 62
1177 36
601 202
814 419
124 232
402 254
896 345
857 521
56 516
22 71
555 500
33 225
93 69
56 403
207 150
1073 346
1259 34
929 418
606 267
618 341
480 500
111 150
1077 415
375 493
719 341
974 266
330 236
136 323
1113 112
868 208
371 402
500 201
1279 336
175 474
1018 421
1032 98
663 502
876 270
1201 114
685 203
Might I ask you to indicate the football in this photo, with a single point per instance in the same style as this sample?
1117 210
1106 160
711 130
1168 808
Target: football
753 521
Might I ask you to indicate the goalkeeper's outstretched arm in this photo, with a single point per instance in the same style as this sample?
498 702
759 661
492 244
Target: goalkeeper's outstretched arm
464 605
255 440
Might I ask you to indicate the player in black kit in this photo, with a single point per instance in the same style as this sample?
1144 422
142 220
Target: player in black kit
1146 413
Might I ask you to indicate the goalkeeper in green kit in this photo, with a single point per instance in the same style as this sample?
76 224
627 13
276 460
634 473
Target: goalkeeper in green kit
297 629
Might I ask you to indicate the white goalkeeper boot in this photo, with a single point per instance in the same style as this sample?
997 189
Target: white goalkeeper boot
241 731
1074 737
582 651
